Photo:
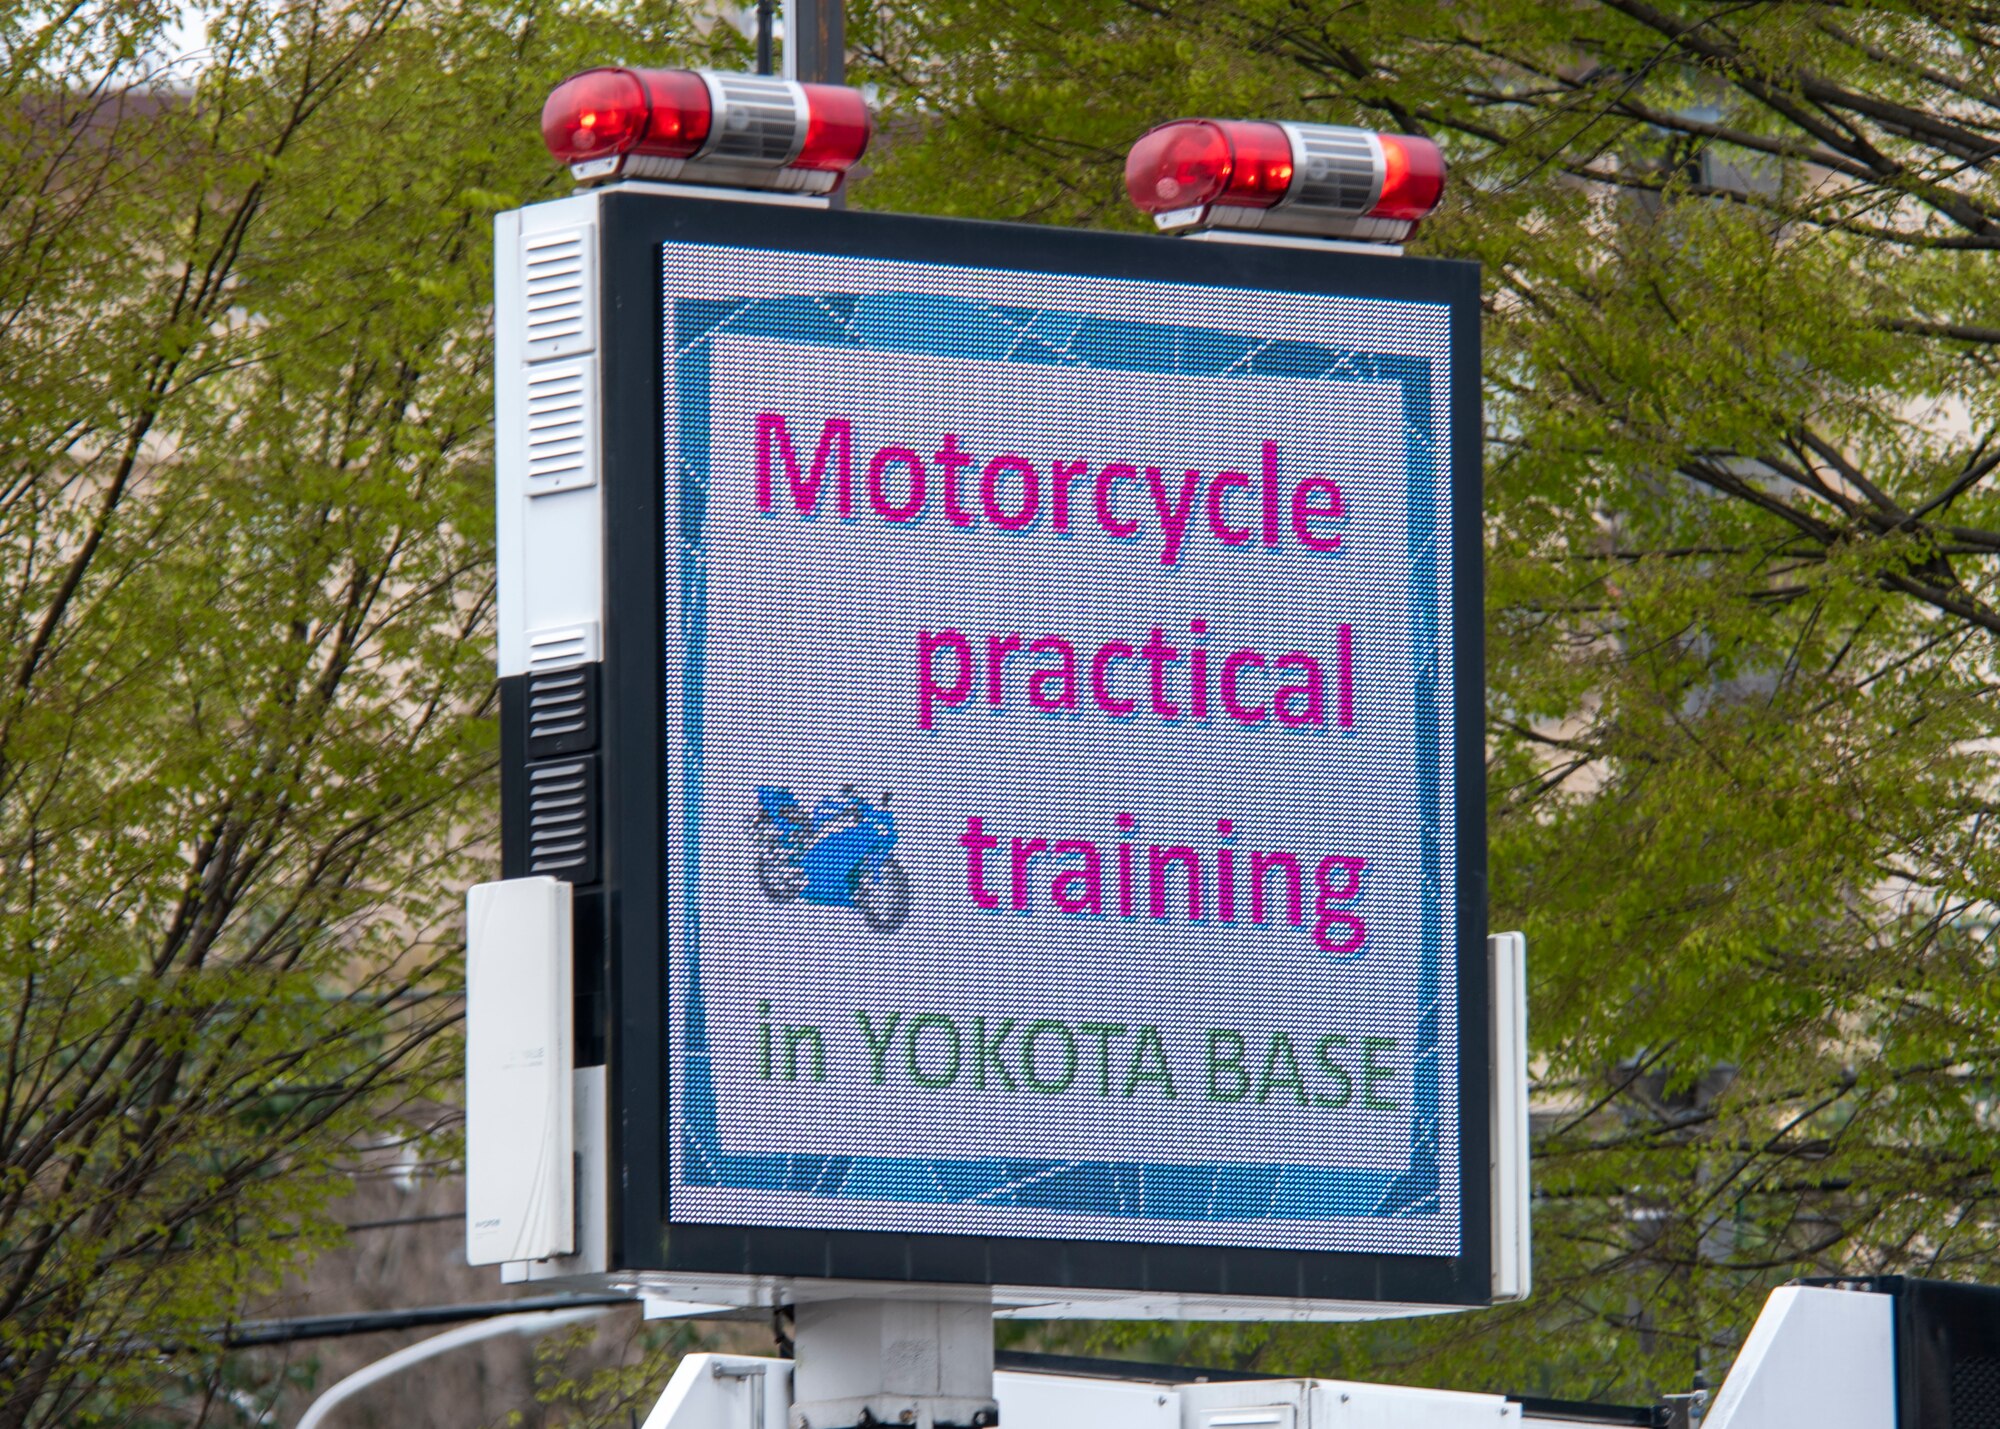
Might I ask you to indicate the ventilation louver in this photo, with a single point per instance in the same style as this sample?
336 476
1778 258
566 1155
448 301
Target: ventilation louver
563 819
560 398
562 711
556 273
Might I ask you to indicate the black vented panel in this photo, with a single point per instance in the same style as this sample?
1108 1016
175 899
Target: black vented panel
562 818
562 711
1975 1392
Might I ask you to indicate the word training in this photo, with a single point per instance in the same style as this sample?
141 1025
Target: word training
1258 886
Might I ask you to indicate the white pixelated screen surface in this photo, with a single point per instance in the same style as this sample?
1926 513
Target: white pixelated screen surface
1059 723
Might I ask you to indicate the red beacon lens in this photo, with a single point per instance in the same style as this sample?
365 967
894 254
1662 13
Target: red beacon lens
837 128
598 112
665 112
1192 163
1412 177
1181 165
681 113
1263 168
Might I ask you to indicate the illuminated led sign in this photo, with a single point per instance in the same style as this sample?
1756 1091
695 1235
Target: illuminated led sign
1042 780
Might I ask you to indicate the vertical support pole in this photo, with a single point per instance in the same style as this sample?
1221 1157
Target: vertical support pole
925 1364
816 50
765 12
816 41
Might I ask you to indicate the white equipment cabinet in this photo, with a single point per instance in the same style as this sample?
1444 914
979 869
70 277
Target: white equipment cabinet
1819 1356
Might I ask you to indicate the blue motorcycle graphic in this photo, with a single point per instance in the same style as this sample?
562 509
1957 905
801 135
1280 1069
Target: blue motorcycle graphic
837 855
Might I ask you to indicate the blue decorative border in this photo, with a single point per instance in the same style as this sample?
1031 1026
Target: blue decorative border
955 327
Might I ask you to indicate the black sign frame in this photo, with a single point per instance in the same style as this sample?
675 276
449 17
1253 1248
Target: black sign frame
623 934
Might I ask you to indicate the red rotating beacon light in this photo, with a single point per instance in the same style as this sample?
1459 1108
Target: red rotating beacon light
1318 179
695 126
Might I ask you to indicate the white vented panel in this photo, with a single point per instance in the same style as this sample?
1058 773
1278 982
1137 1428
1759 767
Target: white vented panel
561 423
564 645
548 509
1264 1416
556 267
520 1131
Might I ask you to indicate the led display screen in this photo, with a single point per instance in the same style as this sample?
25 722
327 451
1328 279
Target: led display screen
1062 764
